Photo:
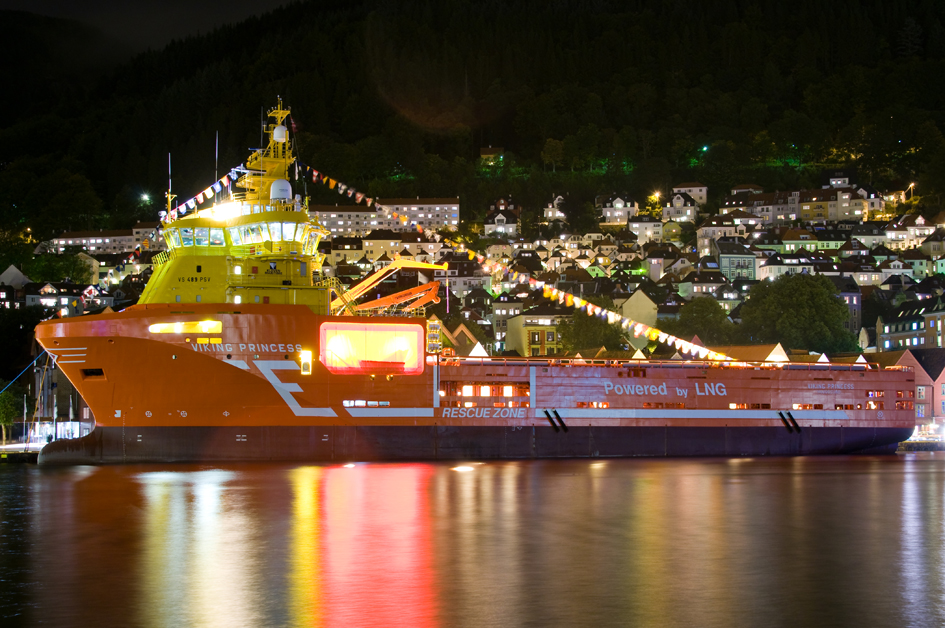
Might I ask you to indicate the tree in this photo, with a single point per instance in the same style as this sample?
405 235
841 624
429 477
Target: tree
11 406
58 267
14 249
800 311
16 337
703 317
580 214
875 306
587 332
553 153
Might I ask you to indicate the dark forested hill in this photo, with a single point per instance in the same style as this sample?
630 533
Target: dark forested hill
585 97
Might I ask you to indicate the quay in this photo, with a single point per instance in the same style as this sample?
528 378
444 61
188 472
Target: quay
20 453
28 457
910 446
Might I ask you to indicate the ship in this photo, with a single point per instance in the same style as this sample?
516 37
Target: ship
239 349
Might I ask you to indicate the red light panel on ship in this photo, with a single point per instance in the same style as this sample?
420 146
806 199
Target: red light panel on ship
346 348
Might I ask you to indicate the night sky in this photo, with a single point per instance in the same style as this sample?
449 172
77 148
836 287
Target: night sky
147 23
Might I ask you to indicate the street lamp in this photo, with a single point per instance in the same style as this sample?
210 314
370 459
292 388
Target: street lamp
911 190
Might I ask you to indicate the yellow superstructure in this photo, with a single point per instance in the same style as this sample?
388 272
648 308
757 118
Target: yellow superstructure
255 245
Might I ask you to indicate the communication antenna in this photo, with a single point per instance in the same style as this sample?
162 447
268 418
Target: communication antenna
216 163
170 196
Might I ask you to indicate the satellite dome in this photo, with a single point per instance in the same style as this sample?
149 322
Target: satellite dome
280 190
279 133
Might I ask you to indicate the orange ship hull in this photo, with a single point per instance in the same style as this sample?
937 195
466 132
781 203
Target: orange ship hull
240 391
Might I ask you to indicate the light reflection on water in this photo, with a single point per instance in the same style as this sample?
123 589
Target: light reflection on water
780 542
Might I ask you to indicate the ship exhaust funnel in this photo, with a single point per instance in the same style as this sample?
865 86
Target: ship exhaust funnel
552 421
785 421
560 420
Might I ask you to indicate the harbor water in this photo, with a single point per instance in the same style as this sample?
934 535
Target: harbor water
833 541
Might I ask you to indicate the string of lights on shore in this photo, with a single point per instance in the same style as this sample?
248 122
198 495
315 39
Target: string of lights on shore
549 292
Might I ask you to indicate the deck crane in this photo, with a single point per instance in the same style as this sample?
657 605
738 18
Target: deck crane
422 294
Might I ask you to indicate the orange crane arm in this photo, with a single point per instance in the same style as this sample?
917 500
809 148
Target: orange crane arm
429 297
425 293
358 291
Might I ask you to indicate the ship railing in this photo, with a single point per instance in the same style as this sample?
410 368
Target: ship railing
417 312
161 258
329 283
665 364
273 205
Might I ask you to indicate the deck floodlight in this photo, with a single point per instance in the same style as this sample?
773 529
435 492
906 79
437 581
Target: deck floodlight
306 362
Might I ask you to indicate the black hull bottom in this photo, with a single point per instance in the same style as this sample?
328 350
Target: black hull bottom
376 443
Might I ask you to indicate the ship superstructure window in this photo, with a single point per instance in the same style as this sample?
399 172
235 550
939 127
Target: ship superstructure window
275 230
372 348
187 327
216 236
171 237
235 235
462 389
187 236
311 244
254 234
202 236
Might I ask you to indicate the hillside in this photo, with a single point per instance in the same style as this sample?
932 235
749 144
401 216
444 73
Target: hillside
398 97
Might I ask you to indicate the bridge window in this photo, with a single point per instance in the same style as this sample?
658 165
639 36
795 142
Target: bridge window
171 237
187 236
201 236
216 236
275 230
235 236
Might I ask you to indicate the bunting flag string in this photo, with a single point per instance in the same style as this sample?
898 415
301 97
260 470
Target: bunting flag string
615 318
216 187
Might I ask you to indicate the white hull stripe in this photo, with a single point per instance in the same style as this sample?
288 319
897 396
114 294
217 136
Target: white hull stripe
70 361
390 412
630 413
285 389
